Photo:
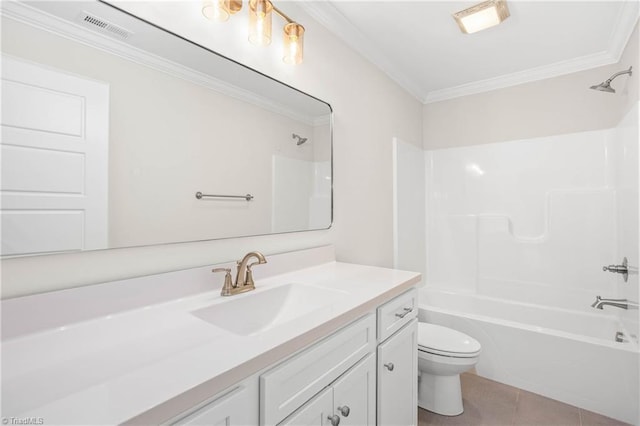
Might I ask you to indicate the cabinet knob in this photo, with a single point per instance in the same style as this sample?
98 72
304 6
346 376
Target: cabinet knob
344 410
389 366
335 420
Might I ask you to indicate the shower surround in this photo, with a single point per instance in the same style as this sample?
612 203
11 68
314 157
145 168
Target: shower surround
531 223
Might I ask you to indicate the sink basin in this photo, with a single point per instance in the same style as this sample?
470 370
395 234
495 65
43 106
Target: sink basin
255 312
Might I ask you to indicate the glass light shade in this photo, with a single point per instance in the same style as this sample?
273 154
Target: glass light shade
260 22
482 16
219 10
293 43
214 10
233 6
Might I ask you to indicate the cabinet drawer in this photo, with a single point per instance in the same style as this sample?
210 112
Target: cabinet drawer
393 315
288 386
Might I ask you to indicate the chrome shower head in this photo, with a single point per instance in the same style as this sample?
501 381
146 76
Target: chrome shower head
300 141
605 86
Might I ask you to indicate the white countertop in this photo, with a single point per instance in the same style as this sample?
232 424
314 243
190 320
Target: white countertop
125 366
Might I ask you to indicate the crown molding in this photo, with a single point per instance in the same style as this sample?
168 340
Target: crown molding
514 79
327 15
627 20
333 20
39 19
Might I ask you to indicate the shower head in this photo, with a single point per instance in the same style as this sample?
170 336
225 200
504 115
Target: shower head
300 141
605 86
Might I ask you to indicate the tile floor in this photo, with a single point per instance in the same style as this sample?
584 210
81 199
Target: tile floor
493 404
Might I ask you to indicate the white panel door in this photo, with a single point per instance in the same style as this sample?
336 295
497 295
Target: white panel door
54 154
354 394
398 378
317 412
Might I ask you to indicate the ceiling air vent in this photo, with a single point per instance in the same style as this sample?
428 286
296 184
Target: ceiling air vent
103 26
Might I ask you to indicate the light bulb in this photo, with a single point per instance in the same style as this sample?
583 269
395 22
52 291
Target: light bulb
260 22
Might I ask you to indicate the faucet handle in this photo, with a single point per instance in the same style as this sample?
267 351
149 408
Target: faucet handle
226 288
619 269
249 277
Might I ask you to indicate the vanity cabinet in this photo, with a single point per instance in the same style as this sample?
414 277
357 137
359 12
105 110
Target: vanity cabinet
363 374
350 400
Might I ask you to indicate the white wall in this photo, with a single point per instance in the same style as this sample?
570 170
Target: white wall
369 111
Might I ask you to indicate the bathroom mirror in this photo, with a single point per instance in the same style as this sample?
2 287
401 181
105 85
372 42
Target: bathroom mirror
111 126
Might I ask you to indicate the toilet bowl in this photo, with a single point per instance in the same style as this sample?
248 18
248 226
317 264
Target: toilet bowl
443 353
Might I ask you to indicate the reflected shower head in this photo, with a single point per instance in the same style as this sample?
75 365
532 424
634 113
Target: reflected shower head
300 141
605 86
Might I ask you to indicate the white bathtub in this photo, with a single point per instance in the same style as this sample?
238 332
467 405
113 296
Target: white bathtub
565 355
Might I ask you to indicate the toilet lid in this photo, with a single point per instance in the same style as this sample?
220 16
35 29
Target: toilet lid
440 340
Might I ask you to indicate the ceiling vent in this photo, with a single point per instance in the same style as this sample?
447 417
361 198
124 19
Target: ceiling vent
103 26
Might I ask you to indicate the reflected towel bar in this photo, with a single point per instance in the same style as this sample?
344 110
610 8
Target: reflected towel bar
200 195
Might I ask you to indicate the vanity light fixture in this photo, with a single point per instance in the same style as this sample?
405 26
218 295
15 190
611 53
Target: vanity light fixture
220 10
260 12
481 16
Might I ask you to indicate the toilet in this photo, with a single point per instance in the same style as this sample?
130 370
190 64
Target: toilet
443 353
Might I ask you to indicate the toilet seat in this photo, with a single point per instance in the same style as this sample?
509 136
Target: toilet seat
443 341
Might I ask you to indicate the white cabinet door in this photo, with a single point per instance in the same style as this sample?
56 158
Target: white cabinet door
316 412
238 407
354 394
349 401
398 378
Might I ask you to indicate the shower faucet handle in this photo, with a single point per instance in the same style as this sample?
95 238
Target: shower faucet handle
619 269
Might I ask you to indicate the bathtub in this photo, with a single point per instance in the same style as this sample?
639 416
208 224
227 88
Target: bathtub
566 355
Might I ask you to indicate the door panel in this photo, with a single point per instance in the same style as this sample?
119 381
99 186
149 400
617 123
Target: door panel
54 160
314 412
398 378
356 391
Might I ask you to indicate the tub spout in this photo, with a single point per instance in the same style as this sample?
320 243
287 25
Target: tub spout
618 303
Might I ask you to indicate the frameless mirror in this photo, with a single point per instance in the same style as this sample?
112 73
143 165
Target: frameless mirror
117 133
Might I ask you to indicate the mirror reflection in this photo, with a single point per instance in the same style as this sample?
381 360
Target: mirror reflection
110 126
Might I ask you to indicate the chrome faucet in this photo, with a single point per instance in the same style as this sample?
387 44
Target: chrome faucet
244 277
618 303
